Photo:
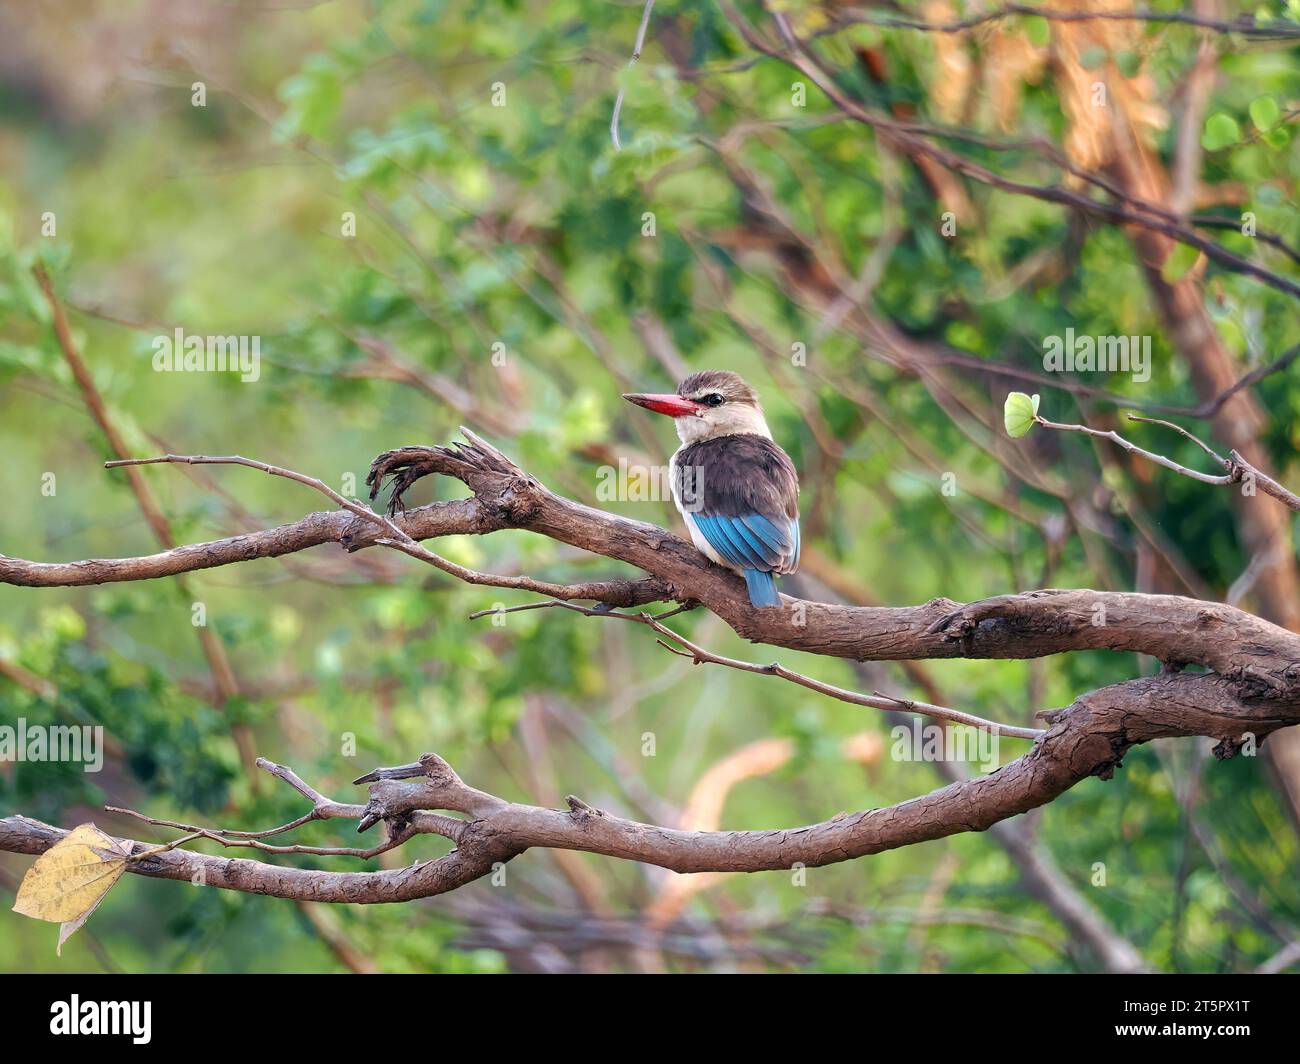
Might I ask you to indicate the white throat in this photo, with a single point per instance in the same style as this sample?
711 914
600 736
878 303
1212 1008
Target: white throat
730 419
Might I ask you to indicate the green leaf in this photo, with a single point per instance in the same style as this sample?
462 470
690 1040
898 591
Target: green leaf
1092 58
1018 413
1220 131
1180 260
1277 137
1038 31
313 96
1264 112
1230 332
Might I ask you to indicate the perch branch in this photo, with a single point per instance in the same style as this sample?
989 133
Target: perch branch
1250 691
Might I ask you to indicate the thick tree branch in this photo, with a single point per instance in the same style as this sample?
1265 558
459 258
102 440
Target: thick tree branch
1251 691
1086 739
1035 624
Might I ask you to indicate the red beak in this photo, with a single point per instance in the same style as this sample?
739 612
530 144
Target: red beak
672 405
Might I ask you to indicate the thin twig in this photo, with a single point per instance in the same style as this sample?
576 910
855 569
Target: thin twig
223 674
1133 448
1245 25
323 808
214 835
636 54
1182 432
276 471
1239 470
1213 406
701 656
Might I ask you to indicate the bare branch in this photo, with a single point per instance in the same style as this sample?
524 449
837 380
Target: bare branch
701 656
288 538
1245 25
1088 738
1047 622
1251 690
1238 469
1141 452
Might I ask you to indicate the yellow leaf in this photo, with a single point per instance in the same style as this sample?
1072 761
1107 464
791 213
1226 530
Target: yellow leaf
69 879
70 927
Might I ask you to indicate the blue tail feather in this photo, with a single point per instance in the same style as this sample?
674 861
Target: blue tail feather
762 588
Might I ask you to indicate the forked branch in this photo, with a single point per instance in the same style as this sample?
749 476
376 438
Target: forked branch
1252 688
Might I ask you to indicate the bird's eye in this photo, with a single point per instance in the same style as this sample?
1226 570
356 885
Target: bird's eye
713 400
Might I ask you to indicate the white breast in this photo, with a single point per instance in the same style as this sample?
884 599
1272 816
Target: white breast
697 537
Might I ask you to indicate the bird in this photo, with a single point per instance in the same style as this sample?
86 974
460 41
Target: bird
737 491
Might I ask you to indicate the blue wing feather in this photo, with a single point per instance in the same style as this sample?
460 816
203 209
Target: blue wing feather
754 545
714 532
734 529
751 541
760 554
775 545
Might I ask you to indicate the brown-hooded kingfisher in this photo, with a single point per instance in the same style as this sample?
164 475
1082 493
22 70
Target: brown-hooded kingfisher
737 491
